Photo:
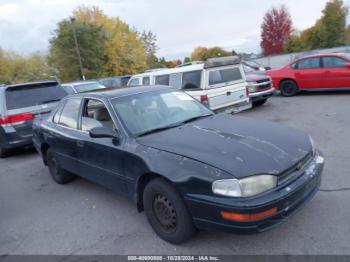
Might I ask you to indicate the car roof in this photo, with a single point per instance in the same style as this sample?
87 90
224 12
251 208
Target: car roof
319 55
126 91
80 83
30 83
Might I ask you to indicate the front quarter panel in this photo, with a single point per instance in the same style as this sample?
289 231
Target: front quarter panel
188 176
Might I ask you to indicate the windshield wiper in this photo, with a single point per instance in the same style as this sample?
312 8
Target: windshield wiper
195 118
50 101
159 129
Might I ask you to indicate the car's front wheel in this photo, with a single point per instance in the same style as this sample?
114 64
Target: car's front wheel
259 102
289 88
58 174
166 212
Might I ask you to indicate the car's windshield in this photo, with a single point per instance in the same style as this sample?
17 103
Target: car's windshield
143 113
88 87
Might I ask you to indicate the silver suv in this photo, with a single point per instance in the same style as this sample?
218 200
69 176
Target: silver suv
19 105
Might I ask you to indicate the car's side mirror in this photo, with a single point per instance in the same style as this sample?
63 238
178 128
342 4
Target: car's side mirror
103 132
347 65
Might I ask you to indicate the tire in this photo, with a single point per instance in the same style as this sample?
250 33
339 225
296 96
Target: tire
259 102
59 175
289 88
167 213
4 152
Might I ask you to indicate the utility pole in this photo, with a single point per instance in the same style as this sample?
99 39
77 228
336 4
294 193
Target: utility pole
72 19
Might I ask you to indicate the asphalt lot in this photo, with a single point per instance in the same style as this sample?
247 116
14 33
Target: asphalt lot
38 216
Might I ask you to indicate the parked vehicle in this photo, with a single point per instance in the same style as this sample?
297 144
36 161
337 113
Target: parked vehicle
314 72
82 86
218 83
255 66
185 166
113 82
259 86
19 105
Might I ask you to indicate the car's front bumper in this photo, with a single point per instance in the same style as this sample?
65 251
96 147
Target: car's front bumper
256 96
288 199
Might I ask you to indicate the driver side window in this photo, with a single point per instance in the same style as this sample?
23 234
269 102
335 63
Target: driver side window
95 114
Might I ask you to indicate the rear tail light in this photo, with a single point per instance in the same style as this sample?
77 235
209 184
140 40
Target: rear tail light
16 119
205 100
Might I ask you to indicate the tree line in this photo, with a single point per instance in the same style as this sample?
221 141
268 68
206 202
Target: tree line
279 36
110 47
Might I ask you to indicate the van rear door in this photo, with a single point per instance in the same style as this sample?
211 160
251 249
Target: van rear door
24 102
226 87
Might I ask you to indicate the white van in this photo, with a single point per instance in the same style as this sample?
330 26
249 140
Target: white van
218 83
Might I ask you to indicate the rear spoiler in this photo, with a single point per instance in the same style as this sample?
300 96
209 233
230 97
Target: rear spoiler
222 61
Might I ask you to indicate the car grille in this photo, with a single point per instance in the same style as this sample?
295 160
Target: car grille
265 84
296 170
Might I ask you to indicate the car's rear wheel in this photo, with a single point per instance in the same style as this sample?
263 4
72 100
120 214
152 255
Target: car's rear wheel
259 102
58 174
289 88
166 212
3 152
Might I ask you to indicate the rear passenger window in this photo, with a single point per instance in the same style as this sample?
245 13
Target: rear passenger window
134 82
70 112
146 81
176 80
162 80
95 114
191 80
333 62
224 76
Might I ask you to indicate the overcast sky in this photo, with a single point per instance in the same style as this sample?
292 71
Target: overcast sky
180 25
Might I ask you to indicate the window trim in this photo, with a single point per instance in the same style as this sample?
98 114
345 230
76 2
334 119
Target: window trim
58 110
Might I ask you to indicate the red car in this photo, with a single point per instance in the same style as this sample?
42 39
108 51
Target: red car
315 72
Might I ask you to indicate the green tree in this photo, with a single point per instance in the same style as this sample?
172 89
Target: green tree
15 68
187 59
108 46
149 40
198 53
215 52
332 25
329 31
63 56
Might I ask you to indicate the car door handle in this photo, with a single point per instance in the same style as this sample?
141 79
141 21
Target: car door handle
80 143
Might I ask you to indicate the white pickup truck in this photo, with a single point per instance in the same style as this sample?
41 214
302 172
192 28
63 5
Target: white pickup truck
218 83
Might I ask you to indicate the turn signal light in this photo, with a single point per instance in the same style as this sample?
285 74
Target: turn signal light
248 217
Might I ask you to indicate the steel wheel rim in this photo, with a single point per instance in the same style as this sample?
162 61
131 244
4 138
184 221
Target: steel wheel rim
288 88
165 213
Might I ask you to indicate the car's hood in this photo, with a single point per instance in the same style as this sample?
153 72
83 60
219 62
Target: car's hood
252 77
237 145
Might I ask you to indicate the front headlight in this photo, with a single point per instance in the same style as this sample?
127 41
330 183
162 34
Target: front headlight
251 89
245 187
